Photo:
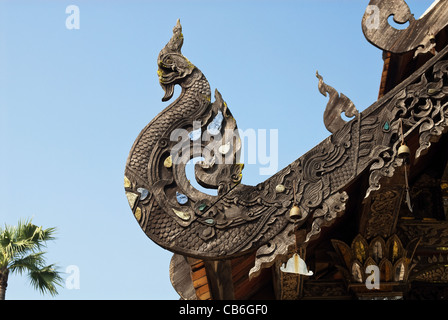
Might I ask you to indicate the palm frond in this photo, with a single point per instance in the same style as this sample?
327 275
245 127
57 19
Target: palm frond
28 263
46 279
20 252
30 232
48 234
20 247
6 236
26 237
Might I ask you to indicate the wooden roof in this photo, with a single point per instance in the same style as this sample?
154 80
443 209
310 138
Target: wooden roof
383 217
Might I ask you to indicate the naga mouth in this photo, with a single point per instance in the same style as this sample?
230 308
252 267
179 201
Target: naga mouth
169 91
171 71
167 81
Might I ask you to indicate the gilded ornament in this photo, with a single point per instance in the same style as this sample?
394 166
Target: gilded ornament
138 213
183 215
168 163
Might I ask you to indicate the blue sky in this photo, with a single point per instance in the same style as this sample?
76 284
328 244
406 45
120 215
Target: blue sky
72 103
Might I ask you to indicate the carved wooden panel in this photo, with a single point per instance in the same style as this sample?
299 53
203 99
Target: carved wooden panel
288 286
432 233
323 290
419 35
244 218
381 211
431 257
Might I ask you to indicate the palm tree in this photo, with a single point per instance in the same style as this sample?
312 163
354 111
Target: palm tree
20 252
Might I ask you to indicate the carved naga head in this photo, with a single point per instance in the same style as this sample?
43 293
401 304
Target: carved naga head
173 66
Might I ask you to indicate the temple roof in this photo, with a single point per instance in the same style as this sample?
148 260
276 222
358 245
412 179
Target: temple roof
359 188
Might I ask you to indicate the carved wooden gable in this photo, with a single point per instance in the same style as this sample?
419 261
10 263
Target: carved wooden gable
364 185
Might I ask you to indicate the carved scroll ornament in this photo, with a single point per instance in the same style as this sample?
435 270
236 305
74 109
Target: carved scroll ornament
337 104
419 35
242 218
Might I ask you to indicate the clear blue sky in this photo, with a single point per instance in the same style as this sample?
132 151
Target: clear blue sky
72 103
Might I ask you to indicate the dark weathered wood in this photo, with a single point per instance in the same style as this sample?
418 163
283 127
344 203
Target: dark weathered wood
219 275
419 35
337 104
181 278
380 212
244 288
243 219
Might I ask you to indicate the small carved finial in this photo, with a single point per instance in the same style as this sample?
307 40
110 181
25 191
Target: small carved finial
427 45
321 84
337 104
177 40
379 32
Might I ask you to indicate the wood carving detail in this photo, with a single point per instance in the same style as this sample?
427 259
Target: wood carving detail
337 104
242 218
382 212
420 106
325 289
419 35
436 273
432 233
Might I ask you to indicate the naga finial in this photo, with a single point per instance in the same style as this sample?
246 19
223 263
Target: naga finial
173 66
337 104
239 218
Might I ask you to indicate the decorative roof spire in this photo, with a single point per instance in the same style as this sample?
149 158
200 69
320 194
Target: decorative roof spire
176 41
